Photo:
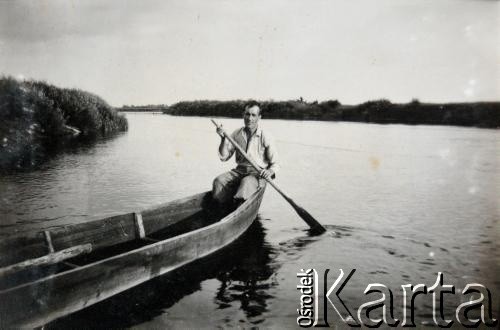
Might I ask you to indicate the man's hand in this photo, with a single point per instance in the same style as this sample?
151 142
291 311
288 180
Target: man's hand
220 131
266 174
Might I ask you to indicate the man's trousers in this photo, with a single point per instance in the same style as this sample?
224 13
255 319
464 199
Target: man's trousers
236 184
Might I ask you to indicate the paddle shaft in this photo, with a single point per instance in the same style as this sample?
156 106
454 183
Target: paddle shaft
313 223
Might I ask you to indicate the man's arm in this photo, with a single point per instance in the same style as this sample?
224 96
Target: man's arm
226 149
272 158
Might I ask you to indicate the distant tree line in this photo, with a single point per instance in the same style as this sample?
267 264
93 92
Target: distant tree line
37 119
479 114
143 108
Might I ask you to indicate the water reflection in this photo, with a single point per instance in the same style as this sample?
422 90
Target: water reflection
244 270
249 282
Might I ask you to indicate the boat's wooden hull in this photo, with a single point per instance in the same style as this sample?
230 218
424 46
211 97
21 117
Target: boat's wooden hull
37 303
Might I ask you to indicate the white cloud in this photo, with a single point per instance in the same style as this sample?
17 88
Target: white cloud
468 31
469 92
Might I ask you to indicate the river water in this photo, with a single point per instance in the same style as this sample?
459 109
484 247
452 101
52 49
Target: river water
401 203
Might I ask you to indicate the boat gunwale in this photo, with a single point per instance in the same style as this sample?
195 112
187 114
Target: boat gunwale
94 220
166 204
231 216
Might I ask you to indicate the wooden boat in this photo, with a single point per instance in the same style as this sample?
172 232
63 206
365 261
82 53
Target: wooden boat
75 266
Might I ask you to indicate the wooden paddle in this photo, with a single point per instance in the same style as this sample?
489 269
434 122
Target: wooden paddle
316 227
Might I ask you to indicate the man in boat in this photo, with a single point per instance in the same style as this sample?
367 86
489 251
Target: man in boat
241 182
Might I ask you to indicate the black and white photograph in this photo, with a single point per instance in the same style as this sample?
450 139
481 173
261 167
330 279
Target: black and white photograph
249 164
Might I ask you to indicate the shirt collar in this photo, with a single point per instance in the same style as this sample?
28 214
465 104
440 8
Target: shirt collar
258 132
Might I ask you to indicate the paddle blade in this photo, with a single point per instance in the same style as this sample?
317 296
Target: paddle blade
316 227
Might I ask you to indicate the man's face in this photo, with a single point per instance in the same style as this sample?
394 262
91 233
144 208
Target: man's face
251 117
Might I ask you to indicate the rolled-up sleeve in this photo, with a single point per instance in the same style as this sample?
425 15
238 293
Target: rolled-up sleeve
227 150
271 154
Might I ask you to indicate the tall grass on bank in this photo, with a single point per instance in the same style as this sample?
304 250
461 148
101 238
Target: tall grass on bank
479 114
37 119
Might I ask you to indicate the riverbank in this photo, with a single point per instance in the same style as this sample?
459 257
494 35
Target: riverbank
478 114
38 119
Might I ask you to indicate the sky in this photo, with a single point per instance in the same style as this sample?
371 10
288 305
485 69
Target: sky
162 52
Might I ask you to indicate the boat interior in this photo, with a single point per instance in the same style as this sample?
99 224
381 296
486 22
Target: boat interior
100 239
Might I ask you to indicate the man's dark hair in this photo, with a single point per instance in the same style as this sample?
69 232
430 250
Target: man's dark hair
253 103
